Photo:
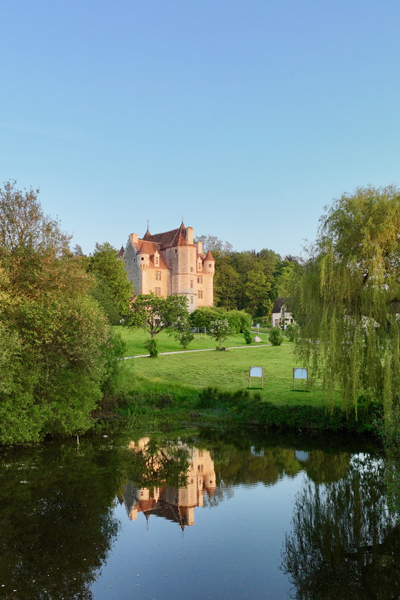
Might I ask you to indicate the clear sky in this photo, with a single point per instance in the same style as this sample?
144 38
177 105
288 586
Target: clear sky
244 116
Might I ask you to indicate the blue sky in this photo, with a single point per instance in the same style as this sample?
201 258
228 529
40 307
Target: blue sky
247 117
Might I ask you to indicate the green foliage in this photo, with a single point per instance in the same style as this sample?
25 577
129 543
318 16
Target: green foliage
226 285
182 332
250 408
156 312
113 352
239 320
257 290
248 336
275 336
291 331
153 347
66 505
114 279
203 316
52 332
102 293
345 299
220 330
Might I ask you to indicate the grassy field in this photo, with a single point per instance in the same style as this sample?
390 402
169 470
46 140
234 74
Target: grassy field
228 371
135 340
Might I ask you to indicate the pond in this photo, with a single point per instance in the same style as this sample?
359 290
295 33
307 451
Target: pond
194 515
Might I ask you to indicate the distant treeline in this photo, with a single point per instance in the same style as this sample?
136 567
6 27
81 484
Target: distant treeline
248 280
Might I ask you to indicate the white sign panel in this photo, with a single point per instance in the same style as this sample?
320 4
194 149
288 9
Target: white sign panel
300 373
256 371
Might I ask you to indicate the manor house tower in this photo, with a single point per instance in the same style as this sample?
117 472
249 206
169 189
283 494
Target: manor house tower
170 263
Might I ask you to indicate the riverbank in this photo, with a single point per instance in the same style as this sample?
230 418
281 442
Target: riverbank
212 388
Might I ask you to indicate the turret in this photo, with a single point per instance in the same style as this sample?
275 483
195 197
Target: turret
209 263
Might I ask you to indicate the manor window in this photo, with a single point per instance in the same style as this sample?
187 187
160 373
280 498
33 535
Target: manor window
191 283
199 293
157 261
158 274
191 269
158 291
200 279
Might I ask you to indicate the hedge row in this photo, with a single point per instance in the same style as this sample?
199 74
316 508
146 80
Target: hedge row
252 409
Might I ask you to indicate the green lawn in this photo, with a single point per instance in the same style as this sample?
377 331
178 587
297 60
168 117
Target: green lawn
135 340
229 370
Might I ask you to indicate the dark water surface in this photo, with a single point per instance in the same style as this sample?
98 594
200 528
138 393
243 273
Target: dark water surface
197 515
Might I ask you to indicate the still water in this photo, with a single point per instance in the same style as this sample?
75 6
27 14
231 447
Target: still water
197 515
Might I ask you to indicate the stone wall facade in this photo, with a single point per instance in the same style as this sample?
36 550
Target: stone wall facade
170 263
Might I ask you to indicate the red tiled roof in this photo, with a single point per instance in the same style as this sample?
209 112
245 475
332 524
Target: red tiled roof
169 239
146 247
121 252
209 256
162 264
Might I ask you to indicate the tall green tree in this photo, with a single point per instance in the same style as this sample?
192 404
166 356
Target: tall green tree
346 299
51 331
256 291
226 285
112 278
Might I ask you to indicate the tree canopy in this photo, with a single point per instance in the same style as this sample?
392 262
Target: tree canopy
346 299
112 279
156 312
52 334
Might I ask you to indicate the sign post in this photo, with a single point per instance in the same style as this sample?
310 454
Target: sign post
257 372
299 373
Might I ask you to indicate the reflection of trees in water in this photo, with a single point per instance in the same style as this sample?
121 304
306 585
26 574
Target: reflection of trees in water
56 529
344 543
160 461
275 463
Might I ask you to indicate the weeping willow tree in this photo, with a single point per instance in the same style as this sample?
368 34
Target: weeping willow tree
346 300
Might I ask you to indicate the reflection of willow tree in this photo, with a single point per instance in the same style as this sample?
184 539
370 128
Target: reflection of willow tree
327 468
344 544
160 462
56 524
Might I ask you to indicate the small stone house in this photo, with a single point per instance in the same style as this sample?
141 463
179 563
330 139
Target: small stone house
281 316
170 263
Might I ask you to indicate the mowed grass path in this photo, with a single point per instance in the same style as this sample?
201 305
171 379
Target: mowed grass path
135 340
229 371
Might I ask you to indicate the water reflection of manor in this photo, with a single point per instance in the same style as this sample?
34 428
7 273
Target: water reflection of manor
174 504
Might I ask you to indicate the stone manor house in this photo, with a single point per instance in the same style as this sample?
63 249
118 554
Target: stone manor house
170 263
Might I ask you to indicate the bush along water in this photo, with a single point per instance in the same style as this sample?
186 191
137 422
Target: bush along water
250 408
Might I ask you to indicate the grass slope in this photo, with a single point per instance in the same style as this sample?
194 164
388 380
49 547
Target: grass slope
229 370
135 340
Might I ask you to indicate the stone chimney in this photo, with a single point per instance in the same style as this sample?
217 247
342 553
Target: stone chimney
134 237
189 235
199 247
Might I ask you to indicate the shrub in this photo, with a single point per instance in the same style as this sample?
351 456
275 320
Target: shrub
220 330
182 332
153 347
291 331
203 316
208 398
239 320
275 336
247 336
